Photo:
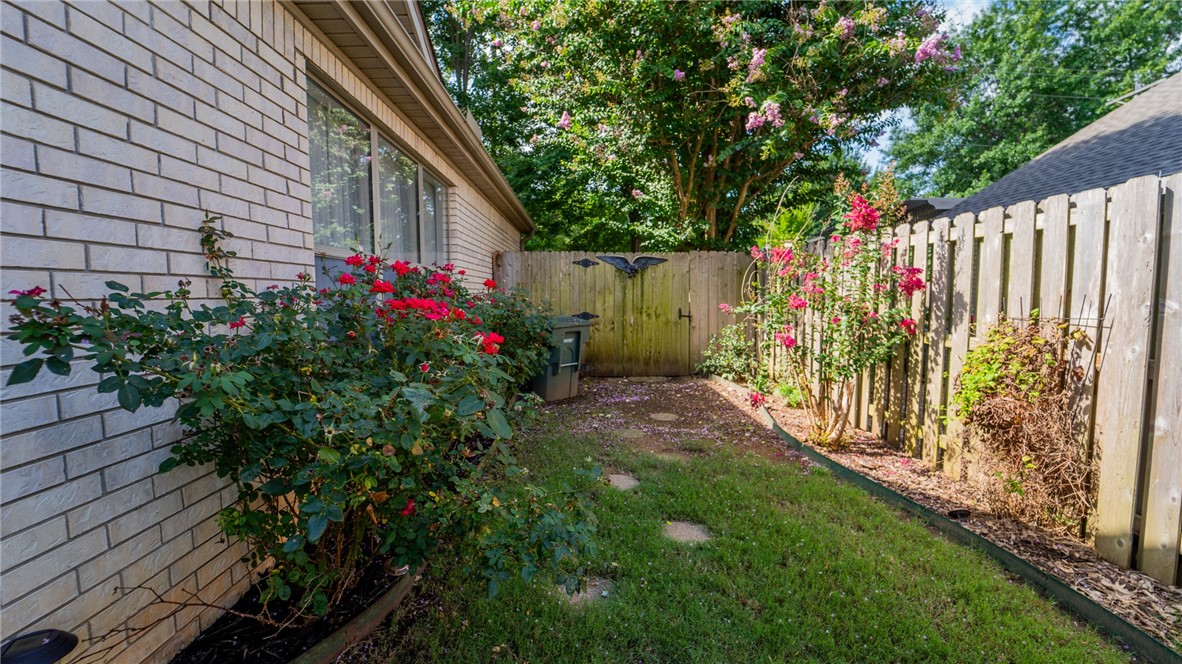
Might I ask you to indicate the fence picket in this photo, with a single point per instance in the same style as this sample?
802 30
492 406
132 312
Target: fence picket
962 315
989 269
898 366
937 334
1052 300
913 427
1021 275
1120 421
1163 490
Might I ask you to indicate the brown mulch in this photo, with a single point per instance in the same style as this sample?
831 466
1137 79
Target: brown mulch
1152 606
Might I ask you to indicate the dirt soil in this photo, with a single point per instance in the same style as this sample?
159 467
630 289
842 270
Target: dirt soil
1152 606
619 410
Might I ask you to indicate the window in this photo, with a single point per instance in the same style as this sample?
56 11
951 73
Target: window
367 195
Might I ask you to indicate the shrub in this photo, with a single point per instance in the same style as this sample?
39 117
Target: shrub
1015 394
855 303
355 422
730 354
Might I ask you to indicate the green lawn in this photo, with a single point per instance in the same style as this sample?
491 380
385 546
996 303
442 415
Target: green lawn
801 568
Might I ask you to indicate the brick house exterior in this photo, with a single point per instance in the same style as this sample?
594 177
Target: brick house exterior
122 122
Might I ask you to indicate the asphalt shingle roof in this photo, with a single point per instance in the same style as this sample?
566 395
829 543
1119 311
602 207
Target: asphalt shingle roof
1142 137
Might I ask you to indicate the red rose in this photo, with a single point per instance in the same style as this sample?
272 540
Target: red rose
410 507
235 324
424 367
35 291
380 286
355 259
347 279
490 284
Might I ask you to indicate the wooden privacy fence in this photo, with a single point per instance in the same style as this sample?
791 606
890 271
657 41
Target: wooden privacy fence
656 322
1108 261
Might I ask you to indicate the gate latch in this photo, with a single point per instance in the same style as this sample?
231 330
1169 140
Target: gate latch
684 315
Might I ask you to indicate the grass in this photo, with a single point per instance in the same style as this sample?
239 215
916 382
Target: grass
801 568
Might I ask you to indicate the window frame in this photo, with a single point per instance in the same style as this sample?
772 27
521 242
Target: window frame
379 130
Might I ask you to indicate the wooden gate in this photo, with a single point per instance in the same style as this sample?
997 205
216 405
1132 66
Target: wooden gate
655 322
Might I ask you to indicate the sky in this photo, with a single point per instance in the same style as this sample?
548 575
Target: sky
957 13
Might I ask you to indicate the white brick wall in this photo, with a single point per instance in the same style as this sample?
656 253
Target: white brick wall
122 122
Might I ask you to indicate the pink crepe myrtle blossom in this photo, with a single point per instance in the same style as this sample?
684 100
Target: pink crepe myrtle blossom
725 308
564 122
781 255
934 48
845 26
909 280
637 194
797 302
497 43
754 69
862 216
730 19
881 82
536 25
678 75
771 113
785 337
754 121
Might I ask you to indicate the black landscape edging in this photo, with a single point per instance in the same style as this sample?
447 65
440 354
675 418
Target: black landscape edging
362 625
1104 620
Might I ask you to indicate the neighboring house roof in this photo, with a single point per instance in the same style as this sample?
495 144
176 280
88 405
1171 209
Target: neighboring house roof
922 209
1142 137
386 41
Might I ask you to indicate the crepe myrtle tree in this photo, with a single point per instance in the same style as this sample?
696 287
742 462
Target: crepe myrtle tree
712 105
839 314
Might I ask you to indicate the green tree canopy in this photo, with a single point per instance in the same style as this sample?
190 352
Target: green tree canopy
1036 71
681 123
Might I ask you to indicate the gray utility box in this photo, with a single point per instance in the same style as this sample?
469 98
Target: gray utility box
560 380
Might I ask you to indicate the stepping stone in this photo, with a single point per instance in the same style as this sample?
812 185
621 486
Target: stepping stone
595 590
632 434
684 531
623 482
648 379
665 417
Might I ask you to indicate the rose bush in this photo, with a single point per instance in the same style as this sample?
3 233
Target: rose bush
355 422
839 314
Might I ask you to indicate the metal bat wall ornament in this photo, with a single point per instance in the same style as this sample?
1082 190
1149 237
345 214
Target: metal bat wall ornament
632 268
